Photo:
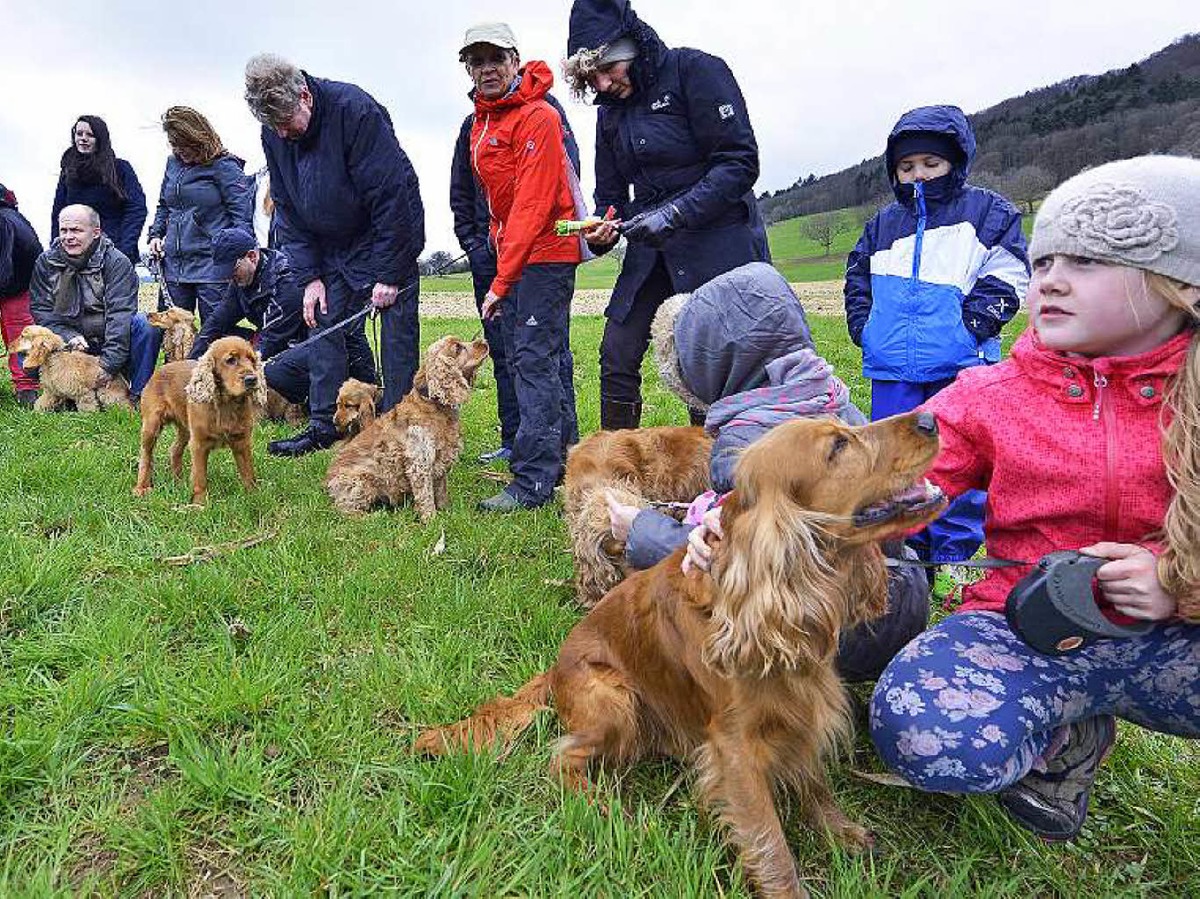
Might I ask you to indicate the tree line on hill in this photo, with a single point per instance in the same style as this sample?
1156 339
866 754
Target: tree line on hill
1030 144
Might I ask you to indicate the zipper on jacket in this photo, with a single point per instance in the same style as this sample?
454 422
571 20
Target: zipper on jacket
1099 382
487 123
919 196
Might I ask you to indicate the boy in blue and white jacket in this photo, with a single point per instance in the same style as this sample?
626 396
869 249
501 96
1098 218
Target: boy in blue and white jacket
933 279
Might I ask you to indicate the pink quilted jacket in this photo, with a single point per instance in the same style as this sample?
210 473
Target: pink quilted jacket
1069 450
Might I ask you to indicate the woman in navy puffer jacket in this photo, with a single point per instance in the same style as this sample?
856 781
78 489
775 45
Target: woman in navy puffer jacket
204 190
677 160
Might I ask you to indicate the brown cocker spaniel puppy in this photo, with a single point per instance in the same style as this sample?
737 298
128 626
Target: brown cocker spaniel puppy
356 401
408 451
212 402
67 375
179 332
639 465
733 670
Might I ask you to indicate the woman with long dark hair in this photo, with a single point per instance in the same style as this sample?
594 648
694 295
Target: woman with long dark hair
204 191
93 176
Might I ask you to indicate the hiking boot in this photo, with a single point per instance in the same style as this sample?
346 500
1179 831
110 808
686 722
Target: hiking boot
501 502
501 454
307 441
1054 804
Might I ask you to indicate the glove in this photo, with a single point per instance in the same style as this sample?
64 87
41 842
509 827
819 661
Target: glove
982 327
653 227
480 257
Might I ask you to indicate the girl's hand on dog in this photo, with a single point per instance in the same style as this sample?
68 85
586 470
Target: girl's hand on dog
1130 581
699 553
620 516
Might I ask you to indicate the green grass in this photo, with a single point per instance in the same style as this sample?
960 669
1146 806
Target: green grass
246 722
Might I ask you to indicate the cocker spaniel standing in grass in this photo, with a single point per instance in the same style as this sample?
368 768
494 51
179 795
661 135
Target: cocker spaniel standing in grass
734 670
212 402
179 332
67 376
409 450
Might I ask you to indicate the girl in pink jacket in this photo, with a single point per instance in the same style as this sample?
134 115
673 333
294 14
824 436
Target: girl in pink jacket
1087 438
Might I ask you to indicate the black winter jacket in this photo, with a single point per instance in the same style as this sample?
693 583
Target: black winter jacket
19 250
346 196
682 137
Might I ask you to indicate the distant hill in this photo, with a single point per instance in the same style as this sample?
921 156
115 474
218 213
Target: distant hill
1031 143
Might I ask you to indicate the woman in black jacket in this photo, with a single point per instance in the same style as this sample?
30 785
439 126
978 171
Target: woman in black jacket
677 160
204 190
92 175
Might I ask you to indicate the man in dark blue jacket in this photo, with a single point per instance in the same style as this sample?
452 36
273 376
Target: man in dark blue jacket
471 222
350 220
262 291
672 125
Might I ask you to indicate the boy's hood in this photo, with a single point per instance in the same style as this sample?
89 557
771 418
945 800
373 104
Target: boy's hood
948 120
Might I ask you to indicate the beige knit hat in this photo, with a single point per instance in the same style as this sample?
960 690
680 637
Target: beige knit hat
1142 212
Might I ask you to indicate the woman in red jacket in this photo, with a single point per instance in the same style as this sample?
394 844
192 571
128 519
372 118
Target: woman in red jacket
518 156
1087 438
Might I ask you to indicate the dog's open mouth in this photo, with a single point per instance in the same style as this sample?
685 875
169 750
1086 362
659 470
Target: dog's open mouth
912 500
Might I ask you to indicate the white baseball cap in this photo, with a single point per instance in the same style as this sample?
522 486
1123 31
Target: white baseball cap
498 34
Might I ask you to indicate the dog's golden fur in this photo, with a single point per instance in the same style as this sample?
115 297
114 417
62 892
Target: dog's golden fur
212 402
356 401
639 466
67 375
409 450
735 670
179 332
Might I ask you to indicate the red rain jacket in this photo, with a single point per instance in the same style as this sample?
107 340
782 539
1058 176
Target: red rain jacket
517 154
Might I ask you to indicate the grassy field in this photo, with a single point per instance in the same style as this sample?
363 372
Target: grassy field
799 257
241 726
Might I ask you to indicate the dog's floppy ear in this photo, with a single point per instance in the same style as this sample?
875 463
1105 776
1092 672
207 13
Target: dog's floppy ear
777 601
202 388
444 379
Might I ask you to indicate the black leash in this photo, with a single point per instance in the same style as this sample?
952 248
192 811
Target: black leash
155 266
971 563
362 313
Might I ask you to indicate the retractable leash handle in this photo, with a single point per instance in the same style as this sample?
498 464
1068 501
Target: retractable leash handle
1054 610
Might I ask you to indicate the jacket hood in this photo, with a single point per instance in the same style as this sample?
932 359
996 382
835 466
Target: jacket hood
948 120
720 339
536 81
7 198
595 23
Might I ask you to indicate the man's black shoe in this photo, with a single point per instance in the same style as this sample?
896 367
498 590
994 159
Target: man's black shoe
307 441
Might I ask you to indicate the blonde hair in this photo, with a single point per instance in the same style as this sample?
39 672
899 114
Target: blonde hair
185 127
1179 565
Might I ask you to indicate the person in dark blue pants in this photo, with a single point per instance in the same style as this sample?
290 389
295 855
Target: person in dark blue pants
471 227
931 282
351 222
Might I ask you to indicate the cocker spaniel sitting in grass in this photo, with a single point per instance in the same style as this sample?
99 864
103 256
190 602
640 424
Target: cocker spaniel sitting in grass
409 450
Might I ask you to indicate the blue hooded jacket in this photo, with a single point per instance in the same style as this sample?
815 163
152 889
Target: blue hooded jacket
683 136
936 274
346 196
194 203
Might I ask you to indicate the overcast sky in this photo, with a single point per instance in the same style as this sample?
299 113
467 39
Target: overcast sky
824 82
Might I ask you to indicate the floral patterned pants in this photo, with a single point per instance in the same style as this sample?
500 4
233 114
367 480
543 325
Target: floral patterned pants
969 707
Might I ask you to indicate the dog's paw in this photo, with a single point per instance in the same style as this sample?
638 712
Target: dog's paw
141 490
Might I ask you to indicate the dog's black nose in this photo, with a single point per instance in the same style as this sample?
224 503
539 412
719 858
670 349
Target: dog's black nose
926 424
250 380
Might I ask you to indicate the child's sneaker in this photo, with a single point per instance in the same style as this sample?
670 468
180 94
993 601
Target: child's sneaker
1054 804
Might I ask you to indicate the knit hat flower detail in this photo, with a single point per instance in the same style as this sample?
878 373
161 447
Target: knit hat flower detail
1119 222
